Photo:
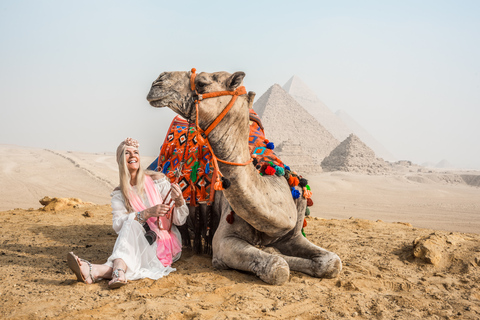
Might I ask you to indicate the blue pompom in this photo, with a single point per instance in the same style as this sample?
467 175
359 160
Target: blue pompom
270 145
287 168
295 193
207 168
165 167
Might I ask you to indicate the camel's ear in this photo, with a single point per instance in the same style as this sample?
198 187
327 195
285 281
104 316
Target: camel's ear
235 80
251 97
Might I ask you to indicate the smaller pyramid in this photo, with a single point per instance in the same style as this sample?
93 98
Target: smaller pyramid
368 139
352 155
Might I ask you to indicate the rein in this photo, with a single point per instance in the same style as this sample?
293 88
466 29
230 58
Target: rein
202 136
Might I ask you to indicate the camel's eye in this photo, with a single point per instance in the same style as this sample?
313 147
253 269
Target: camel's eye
201 86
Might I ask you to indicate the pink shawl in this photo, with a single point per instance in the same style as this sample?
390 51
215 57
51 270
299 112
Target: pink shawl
168 245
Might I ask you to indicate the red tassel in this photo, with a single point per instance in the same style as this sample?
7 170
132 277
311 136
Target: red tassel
263 168
270 170
304 223
309 202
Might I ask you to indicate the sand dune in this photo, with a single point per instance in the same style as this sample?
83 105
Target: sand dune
371 222
29 174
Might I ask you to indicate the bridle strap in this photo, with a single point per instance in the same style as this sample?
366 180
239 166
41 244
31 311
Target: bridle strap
238 92
203 135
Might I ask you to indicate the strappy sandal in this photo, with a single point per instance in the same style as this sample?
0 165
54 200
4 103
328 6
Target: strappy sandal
73 264
117 283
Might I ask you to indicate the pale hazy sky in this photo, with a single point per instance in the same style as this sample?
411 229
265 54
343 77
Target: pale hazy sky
74 74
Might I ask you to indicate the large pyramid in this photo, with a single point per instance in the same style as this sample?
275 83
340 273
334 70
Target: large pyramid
353 155
366 137
308 100
339 124
295 132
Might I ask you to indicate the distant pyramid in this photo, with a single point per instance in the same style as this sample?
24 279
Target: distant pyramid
354 155
360 132
444 164
308 100
291 127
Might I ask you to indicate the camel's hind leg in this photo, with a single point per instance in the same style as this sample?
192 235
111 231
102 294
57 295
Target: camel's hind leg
302 255
238 254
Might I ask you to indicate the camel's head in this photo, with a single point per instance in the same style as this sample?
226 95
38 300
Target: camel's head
173 90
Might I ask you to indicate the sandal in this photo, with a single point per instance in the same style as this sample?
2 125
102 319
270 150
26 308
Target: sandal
117 283
73 264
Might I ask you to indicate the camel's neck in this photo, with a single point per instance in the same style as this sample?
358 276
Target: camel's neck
250 195
229 139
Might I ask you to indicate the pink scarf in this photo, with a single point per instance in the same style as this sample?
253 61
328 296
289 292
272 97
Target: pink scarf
168 245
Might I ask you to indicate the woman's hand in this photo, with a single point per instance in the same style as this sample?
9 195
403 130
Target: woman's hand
177 195
158 210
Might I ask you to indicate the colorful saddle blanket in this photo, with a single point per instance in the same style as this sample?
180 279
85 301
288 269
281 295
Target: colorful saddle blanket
183 157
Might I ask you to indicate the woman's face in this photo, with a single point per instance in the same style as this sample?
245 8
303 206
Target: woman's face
132 158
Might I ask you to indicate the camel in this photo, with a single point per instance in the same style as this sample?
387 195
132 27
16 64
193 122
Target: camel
265 235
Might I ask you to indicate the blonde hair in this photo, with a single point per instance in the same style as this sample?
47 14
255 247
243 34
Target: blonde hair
125 176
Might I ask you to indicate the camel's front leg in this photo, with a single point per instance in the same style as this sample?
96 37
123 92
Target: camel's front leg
238 254
302 255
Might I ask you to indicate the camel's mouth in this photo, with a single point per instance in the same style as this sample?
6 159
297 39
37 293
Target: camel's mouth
158 103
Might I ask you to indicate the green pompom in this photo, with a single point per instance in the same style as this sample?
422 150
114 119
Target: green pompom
193 174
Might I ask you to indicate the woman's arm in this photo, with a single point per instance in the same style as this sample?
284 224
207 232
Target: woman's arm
119 211
180 212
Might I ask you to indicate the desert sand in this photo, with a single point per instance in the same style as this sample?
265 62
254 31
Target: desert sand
409 242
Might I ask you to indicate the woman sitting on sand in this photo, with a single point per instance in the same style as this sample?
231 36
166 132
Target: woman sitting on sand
148 241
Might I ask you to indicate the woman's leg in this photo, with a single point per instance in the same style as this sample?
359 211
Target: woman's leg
98 270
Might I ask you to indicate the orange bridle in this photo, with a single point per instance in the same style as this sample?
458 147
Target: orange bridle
202 136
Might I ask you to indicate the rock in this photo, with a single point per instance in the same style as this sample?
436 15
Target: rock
57 204
430 248
45 200
87 214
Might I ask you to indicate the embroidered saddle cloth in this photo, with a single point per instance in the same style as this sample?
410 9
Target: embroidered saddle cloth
196 172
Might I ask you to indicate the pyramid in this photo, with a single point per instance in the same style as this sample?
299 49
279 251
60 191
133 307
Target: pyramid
291 128
444 164
308 100
352 155
368 139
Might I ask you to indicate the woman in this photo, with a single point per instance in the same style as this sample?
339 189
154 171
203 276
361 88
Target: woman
144 218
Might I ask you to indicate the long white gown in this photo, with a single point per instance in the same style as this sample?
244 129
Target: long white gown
131 244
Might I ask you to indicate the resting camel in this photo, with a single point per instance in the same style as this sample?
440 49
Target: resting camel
266 215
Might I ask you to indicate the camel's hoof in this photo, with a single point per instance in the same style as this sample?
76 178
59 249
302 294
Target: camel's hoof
276 271
328 266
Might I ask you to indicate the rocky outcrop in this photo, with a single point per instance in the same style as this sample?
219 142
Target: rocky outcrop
435 248
57 204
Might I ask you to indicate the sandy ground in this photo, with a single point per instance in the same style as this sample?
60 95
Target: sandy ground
371 222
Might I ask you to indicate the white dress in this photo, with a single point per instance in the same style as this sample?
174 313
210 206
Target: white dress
131 244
